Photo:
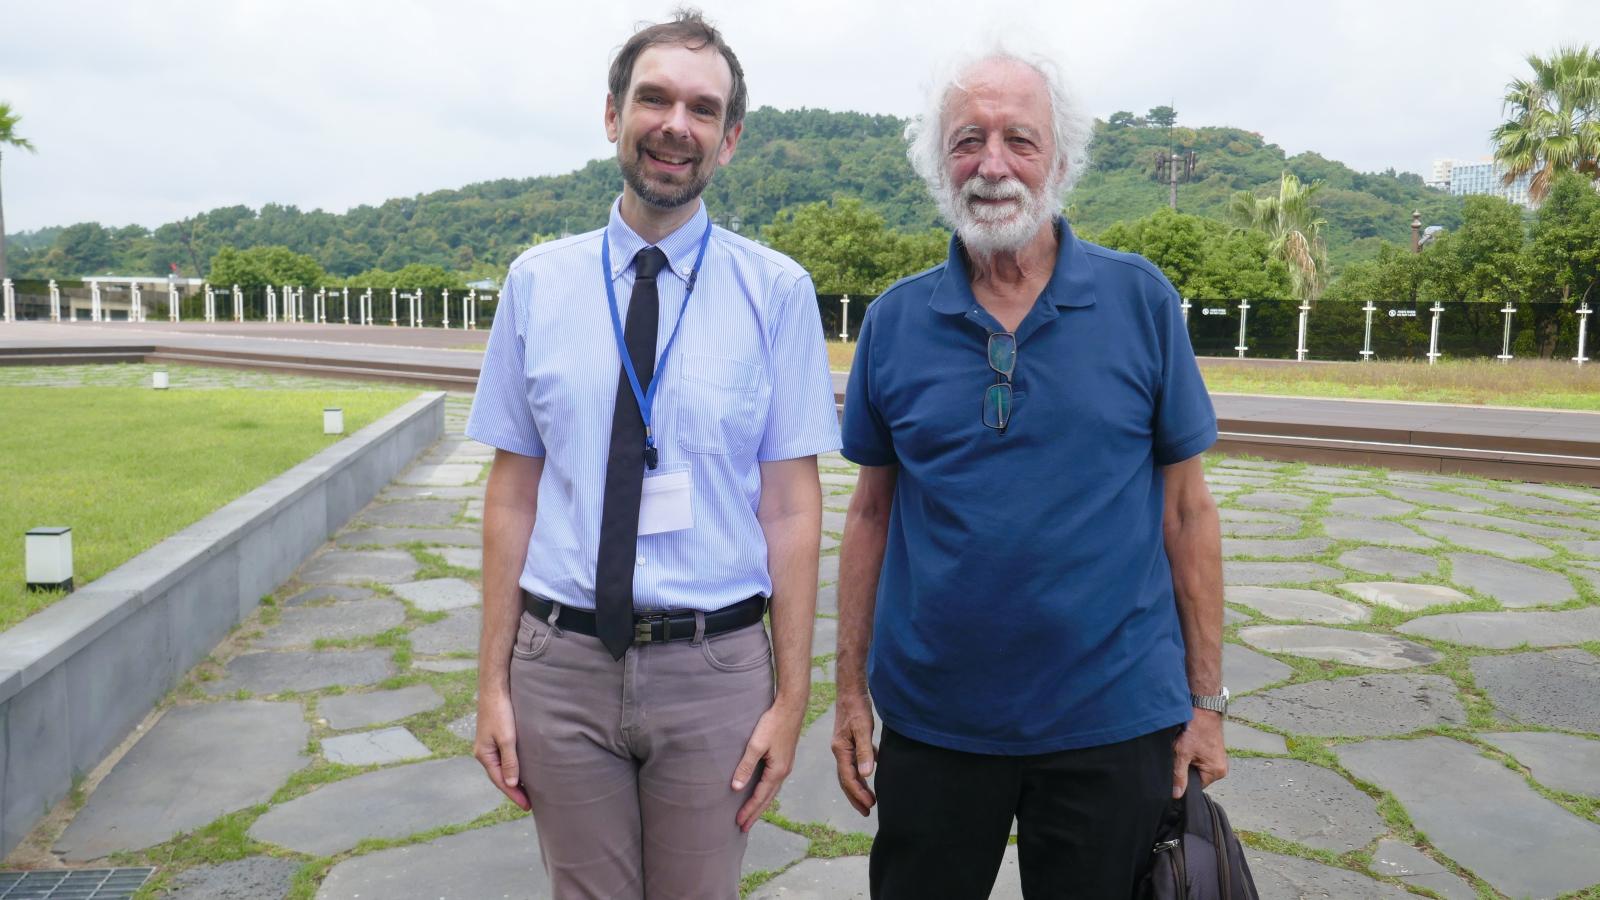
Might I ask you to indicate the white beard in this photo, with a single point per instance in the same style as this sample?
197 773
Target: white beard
989 229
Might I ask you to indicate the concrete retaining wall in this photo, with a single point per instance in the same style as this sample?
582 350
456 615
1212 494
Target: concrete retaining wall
77 677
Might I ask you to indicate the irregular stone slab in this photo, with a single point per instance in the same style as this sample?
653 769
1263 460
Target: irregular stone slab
444 665
252 878
1333 472
1239 736
825 637
844 878
393 537
1557 688
837 479
357 566
1404 595
1298 802
1507 630
1258 529
1388 561
411 513
811 793
1244 670
1275 572
171 781
834 522
1325 487
1576 495
1233 617
1253 515
474 511
1237 479
771 848
348 711
1441 499
1369 507
1272 500
465 727
460 557
1234 548
438 594
1412 866
1488 541
1564 762
1519 842
1522 501
274 673
1509 583
1589 572
445 475
828 569
329 593
498 861
1502 523
1376 531
305 625
1291 878
1582 548
1297 604
1355 648
388 803
374 748
1585 523
1424 478
1359 706
828 600
456 633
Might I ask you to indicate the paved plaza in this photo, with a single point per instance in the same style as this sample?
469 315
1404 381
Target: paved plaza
1416 660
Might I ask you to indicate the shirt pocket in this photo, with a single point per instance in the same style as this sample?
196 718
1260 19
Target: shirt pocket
717 404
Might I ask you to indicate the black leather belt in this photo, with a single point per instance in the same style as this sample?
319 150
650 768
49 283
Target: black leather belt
650 628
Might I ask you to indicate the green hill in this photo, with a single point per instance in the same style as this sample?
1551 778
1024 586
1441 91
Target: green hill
785 158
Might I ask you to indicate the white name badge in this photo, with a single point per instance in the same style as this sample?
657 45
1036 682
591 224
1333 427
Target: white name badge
666 504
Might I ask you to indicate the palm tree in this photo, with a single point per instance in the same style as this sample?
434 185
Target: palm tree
1554 119
8 135
1293 229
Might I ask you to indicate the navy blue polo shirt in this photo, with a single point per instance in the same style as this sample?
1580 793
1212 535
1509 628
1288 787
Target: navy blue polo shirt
1026 601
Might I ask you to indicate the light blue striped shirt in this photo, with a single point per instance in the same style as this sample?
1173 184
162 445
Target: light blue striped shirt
746 382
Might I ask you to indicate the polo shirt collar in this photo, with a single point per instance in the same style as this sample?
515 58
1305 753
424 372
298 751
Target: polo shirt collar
1070 284
680 246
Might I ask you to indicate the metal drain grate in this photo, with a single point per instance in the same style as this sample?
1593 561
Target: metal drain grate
73 884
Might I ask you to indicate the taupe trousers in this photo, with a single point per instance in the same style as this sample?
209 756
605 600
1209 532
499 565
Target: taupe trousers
628 762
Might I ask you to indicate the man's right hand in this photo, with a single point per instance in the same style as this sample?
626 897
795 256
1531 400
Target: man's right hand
496 745
852 749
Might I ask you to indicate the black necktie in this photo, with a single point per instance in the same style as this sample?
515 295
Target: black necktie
619 512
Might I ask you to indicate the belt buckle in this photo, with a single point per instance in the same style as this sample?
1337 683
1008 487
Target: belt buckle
641 629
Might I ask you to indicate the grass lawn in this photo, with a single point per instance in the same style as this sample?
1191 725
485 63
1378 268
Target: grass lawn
125 466
1549 384
1521 382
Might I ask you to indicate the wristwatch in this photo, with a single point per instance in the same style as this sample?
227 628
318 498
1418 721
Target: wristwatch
1216 703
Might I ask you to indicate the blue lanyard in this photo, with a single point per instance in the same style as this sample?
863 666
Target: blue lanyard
647 398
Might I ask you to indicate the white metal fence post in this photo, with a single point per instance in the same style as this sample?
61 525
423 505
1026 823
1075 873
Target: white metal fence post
844 318
1583 334
1185 307
1433 335
1505 343
446 296
394 307
1300 348
55 301
1244 314
238 304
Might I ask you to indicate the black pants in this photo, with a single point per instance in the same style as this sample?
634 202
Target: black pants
1086 819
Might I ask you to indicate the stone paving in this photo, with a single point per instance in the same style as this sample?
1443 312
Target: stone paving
1416 662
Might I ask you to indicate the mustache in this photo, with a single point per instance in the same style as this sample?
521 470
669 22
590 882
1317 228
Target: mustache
1005 189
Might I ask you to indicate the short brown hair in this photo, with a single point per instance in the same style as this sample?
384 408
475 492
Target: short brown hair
690 29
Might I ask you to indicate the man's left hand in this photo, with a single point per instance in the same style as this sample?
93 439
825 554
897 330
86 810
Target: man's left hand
772 747
1200 745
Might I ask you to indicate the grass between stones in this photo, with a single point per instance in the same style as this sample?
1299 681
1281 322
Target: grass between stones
126 467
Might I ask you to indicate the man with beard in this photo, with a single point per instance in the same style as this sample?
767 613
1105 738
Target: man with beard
1031 553
654 484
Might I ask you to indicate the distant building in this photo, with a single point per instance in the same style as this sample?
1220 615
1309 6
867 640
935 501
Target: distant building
1462 178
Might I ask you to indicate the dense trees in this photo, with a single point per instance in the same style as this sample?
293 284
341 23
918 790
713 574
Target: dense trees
847 248
786 159
1292 224
1203 258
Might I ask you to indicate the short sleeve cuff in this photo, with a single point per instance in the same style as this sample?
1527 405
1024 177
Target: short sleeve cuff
797 450
502 440
1191 446
869 456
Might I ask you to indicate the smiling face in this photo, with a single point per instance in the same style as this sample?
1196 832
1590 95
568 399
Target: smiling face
1001 176
669 127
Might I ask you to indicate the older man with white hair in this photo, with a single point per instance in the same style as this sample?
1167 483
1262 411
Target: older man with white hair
1031 554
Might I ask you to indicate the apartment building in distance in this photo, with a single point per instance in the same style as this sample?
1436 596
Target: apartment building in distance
1485 176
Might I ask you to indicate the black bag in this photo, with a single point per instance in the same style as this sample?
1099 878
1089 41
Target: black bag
1197 856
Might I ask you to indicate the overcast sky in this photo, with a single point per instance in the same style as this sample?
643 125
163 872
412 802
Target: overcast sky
146 112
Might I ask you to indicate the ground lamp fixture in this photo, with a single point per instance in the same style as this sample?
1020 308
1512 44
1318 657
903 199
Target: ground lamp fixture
49 558
158 380
333 420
